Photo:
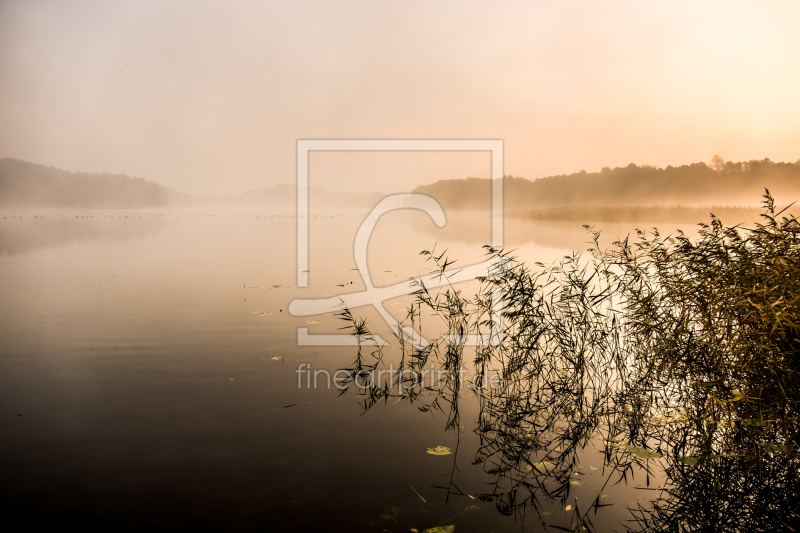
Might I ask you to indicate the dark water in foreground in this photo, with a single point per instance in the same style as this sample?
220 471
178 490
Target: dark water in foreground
146 362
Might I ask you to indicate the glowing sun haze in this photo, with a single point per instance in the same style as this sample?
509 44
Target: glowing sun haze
212 96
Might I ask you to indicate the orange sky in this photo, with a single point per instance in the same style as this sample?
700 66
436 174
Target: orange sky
211 96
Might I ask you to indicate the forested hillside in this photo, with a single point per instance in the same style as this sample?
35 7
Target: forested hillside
696 184
24 184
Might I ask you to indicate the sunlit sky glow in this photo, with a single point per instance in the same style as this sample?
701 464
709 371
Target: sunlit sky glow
212 96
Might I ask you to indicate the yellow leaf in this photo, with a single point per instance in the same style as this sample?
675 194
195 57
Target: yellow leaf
439 450
443 529
544 466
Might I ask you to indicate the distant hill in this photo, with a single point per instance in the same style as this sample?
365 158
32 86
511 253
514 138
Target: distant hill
24 184
690 185
282 196
318 197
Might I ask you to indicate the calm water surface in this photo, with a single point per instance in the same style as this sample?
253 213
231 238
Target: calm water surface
147 359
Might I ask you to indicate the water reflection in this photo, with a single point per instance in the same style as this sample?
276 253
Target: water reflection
28 230
475 229
577 377
144 372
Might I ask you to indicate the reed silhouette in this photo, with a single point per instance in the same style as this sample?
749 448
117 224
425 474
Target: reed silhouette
680 356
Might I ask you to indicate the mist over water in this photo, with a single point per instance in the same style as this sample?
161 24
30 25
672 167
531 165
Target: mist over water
151 177
146 362
154 377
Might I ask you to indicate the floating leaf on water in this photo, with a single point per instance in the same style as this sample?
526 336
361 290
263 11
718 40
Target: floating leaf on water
312 321
574 482
276 358
691 461
442 529
275 287
568 508
644 453
544 466
528 467
439 450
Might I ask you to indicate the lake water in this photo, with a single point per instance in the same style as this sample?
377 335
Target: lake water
148 377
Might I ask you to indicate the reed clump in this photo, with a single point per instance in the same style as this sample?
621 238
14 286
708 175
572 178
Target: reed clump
679 355
713 326
718 318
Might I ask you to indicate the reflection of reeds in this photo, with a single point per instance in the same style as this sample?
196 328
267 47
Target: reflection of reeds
639 213
682 355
